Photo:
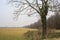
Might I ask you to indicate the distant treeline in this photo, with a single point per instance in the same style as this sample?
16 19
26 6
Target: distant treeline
52 22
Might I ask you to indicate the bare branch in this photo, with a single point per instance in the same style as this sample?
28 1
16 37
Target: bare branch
32 6
38 5
55 6
18 12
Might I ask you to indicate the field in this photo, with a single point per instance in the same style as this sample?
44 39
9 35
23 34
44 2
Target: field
17 33
13 33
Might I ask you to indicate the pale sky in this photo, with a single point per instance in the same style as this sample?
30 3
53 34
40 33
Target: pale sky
6 16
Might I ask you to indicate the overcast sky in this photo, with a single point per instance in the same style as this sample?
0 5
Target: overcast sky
6 16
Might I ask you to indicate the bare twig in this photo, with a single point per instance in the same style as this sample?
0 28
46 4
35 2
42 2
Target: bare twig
32 6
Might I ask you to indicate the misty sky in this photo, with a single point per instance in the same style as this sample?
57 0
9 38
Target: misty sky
6 16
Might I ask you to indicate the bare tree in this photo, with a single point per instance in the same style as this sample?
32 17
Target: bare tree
56 9
57 20
54 21
32 7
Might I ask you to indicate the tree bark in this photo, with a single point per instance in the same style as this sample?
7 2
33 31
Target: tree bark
43 19
44 12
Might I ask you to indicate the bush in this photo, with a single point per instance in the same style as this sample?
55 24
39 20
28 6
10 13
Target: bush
32 35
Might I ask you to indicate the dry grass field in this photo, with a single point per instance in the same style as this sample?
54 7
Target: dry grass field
17 33
13 33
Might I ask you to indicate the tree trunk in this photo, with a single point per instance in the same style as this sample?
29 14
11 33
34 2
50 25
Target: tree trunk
44 27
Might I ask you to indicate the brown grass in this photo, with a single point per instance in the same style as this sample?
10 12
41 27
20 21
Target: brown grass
16 33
